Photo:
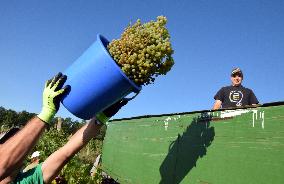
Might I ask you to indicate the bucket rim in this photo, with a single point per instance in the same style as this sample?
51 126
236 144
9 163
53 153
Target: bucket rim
104 42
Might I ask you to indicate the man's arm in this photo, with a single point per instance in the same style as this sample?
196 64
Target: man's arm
55 162
13 152
217 104
252 98
219 97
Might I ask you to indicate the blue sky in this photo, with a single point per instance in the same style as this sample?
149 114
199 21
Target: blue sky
40 38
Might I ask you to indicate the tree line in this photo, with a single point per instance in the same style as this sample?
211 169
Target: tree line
10 118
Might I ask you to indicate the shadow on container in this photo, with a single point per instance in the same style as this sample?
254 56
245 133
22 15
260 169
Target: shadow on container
187 149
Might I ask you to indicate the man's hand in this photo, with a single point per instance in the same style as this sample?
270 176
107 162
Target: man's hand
52 95
104 116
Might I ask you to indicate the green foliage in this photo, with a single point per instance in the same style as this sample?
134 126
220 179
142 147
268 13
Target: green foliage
69 126
144 51
77 171
51 141
23 118
10 118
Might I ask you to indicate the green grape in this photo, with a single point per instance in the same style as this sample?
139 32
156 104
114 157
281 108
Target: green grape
143 51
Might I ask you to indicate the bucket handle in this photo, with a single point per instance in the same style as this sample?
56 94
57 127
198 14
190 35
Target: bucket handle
131 98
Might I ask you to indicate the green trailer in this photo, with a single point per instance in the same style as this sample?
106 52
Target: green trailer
203 147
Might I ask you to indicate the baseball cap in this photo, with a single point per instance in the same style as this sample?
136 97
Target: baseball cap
5 136
237 71
35 154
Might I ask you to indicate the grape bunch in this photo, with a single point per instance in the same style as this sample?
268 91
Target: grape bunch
144 51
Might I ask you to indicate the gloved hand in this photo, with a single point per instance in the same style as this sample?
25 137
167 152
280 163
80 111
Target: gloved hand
104 116
52 95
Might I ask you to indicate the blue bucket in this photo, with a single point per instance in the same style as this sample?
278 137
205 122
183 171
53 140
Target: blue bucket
96 82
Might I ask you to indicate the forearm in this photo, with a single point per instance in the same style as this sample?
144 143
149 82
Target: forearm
55 162
13 152
217 105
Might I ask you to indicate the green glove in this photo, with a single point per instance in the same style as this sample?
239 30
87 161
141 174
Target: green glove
52 95
104 116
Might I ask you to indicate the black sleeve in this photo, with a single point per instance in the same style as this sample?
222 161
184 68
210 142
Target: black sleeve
252 98
220 95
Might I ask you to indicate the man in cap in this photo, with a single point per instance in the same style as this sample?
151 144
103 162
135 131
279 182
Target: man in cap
34 161
235 95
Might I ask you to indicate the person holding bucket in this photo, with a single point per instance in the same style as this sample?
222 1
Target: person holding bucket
14 149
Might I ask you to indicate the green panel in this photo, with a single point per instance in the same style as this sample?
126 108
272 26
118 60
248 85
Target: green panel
198 148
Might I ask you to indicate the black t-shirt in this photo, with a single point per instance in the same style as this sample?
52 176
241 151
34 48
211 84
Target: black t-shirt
235 96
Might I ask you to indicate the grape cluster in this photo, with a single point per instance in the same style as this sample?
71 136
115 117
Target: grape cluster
144 51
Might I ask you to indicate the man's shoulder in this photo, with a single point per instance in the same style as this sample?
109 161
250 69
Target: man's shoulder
247 89
230 88
226 87
223 89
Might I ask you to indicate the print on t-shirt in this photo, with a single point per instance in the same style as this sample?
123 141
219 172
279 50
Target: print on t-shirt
236 97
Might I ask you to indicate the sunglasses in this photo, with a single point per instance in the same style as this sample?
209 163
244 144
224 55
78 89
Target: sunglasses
235 75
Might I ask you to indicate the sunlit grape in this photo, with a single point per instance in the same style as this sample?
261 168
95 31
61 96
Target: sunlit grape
144 51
